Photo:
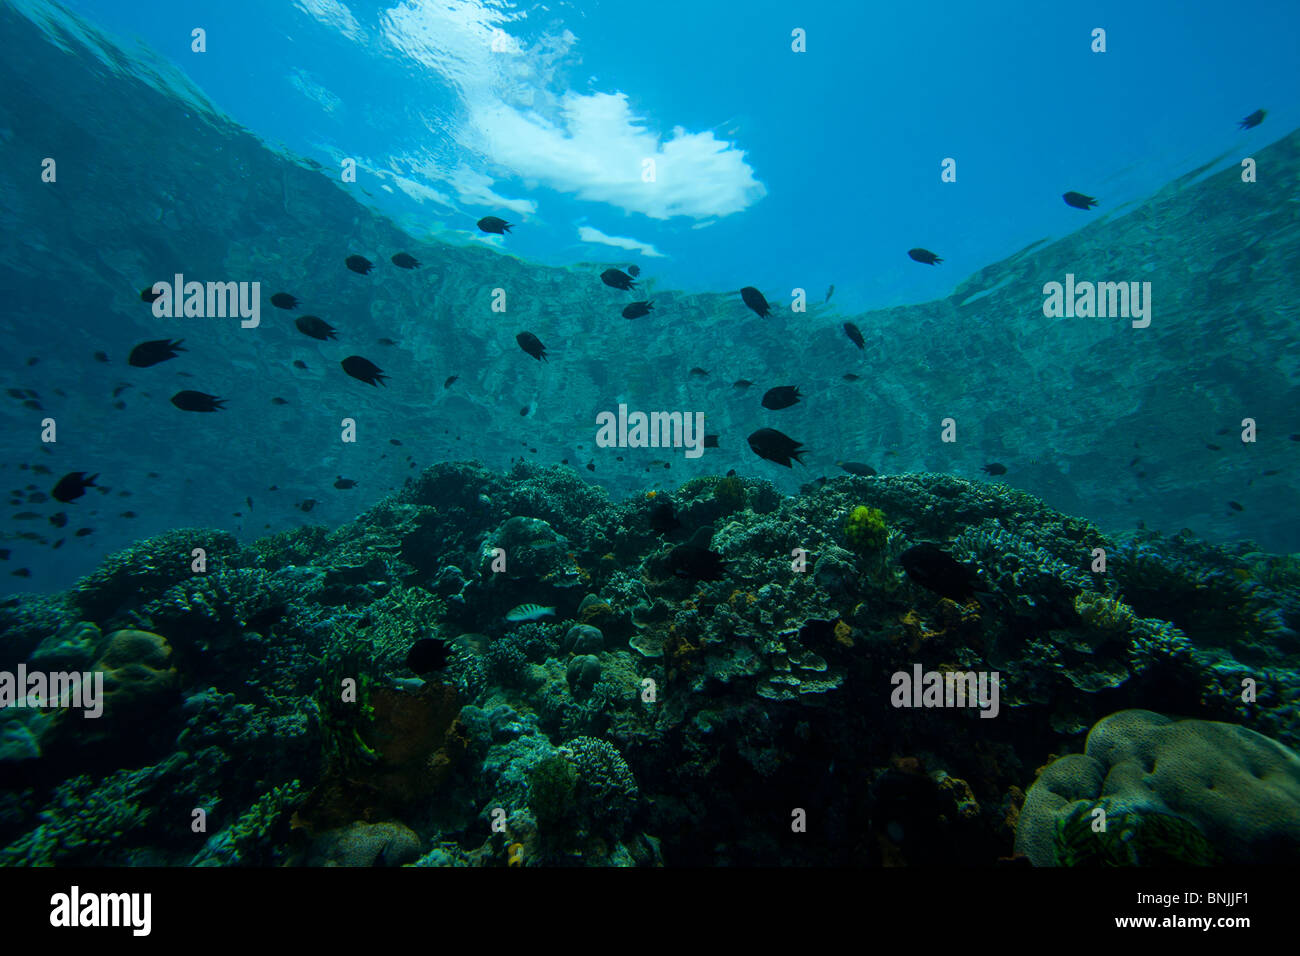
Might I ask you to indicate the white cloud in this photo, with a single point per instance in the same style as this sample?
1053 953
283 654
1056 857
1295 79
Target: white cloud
588 234
518 115
474 188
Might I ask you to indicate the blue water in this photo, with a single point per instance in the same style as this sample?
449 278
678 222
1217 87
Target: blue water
788 171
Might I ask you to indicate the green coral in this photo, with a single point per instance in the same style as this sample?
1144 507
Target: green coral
87 822
551 787
1130 838
249 840
866 530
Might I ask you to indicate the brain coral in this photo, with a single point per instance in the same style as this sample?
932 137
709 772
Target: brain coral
1240 788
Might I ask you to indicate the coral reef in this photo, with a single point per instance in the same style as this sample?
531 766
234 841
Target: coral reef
270 687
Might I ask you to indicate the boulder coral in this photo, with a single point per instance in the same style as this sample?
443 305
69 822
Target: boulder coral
1237 787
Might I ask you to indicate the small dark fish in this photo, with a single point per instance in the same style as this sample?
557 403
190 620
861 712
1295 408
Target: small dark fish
1271 472
855 335
41 470
935 570
829 292
248 500
119 405
591 466
191 401
783 396
393 441
1253 120
344 483
124 494
711 441
1213 447
617 279
754 299
403 261
856 468
4 554
532 345
359 264
1294 437
428 654
495 225
993 468
151 353
523 412
22 573
82 532
122 388
638 309
279 401
57 544
1235 507
925 256
385 341
147 294
34 405
634 271
850 377
58 519
127 514
363 370
772 445
306 504
101 356
299 363
315 327
1134 461
696 563
451 380
698 372
33 360
17 393
73 485
1079 200
36 497
26 516
1223 431
283 300
741 383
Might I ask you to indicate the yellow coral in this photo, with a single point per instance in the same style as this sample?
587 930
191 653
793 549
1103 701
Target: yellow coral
865 529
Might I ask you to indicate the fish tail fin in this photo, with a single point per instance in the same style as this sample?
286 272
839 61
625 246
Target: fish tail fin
91 480
798 455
